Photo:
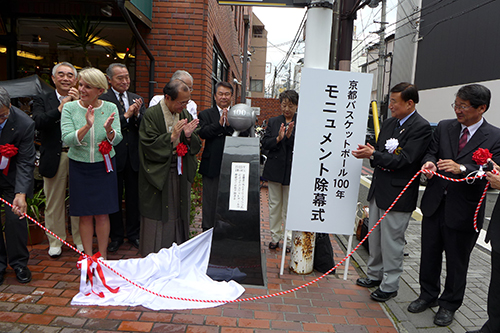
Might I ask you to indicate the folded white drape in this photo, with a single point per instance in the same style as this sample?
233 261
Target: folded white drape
179 271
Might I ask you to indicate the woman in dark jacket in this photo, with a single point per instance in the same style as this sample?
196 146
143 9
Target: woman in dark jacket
278 140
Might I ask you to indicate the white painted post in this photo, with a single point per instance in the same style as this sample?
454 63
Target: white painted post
317 55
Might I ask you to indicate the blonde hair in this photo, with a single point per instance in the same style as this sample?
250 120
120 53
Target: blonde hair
94 77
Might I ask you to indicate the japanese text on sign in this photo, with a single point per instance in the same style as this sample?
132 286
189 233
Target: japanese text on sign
238 195
331 118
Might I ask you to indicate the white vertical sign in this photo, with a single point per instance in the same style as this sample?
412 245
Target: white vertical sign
331 122
238 193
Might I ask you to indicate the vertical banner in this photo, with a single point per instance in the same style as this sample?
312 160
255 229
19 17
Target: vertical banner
331 122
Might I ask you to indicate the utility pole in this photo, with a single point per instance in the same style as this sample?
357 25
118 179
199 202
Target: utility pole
273 92
318 30
289 85
381 57
335 35
245 60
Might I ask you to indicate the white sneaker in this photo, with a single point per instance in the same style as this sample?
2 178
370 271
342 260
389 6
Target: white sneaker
55 252
79 247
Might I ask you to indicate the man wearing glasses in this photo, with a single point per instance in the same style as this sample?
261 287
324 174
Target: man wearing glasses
17 132
168 145
449 207
214 129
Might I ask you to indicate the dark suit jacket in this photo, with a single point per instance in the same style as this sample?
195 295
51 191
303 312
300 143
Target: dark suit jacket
48 122
215 137
19 130
493 234
279 158
393 171
461 198
130 131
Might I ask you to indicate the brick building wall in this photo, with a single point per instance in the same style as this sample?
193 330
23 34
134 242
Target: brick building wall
183 36
269 107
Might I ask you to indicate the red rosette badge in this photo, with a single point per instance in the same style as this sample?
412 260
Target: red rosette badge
7 151
181 150
481 156
105 148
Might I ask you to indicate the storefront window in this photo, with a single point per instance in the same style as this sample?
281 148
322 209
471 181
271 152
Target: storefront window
43 43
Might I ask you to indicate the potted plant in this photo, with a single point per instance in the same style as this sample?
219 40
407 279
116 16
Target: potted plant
35 209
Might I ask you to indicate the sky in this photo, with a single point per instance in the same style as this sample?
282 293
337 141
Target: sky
282 25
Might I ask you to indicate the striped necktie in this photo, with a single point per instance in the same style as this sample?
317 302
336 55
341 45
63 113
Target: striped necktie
463 140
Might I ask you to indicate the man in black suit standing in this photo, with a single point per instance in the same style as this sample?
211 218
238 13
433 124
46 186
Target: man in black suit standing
17 132
214 128
131 109
396 157
493 236
54 163
449 207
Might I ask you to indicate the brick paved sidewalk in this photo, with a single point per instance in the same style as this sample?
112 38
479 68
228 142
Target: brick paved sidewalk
331 305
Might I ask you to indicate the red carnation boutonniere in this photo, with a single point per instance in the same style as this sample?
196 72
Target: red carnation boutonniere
105 148
7 151
481 156
182 150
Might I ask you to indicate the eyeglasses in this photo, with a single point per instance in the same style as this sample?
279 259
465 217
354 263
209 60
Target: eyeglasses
460 107
5 116
228 94
183 103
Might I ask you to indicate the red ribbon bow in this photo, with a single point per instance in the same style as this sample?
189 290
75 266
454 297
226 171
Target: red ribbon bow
90 274
105 148
7 150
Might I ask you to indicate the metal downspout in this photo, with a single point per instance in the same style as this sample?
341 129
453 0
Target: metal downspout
126 15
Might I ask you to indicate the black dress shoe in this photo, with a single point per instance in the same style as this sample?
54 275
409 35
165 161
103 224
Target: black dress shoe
23 274
2 273
476 331
367 282
382 296
443 317
134 242
419 305
273 246
114 246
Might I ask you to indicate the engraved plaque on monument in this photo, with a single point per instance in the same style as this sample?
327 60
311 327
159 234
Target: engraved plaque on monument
236 238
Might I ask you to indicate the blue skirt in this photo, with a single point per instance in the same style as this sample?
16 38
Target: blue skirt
92 191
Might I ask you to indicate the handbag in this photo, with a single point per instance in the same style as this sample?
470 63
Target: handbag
323 253
363 217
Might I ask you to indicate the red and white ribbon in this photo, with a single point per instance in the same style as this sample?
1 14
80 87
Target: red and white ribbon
105 148
181 152
88 266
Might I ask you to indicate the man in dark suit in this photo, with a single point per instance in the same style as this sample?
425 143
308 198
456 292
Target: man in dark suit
131 109
449 207
54 163
16 182
214 128
396 157
493 236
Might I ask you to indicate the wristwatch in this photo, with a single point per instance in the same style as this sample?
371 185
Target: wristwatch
371 156
111 132
463 169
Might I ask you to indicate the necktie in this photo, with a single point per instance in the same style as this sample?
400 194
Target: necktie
463 140
397 128
122 103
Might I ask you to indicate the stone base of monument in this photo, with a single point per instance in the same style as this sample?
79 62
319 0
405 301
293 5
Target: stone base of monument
236 238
